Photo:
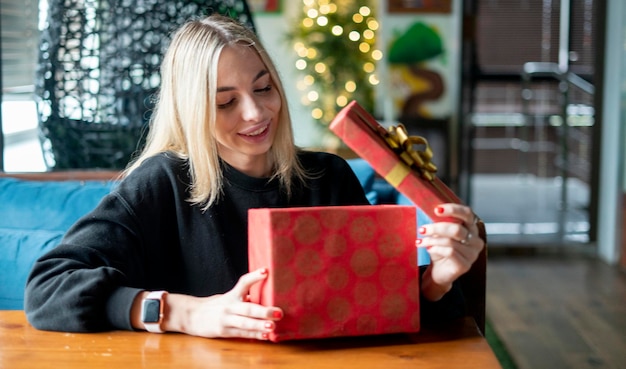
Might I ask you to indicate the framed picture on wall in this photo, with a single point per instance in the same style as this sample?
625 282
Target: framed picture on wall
419 6
265 6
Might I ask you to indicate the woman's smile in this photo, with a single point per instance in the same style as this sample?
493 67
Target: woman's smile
262 130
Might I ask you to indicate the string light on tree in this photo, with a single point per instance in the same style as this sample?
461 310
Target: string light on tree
335 44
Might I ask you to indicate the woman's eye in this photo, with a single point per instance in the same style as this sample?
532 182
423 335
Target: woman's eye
226 104
264 89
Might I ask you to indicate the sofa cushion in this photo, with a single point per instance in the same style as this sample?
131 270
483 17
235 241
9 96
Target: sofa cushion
387 194
19 248
47 205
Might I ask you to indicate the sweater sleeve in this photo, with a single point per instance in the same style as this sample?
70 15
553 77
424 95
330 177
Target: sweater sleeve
77 286
89 281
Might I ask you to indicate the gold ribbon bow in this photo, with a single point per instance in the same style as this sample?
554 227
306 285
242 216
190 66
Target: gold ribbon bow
399 140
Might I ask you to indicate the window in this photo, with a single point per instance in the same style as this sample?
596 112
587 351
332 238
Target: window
19 21
513 136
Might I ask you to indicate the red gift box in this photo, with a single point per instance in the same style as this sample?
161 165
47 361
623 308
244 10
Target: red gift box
337 270
403 160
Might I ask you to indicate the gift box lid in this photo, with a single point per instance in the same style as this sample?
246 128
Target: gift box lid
404 161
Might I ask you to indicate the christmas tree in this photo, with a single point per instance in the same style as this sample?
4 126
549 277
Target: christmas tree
335 43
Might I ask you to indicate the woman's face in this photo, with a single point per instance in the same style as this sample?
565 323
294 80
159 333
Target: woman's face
247 111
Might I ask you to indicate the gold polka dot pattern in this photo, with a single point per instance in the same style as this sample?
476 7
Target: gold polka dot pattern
337 271
364 262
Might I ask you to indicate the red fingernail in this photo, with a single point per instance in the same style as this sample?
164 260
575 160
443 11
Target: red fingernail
418 241
422 230
263 271
428 247
277 314
439 210
269 325
265 336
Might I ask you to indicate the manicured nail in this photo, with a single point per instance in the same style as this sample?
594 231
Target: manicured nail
265 336
439 210
277 314
422 230
418 242
263 271
269 325
428 247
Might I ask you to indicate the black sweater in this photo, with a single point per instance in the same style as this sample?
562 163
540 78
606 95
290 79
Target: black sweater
145 235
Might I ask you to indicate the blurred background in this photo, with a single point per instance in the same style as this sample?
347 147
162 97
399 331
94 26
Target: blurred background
522 101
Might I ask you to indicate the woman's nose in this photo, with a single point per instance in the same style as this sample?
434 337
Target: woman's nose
251 109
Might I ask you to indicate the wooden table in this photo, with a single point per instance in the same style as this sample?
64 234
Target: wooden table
21 346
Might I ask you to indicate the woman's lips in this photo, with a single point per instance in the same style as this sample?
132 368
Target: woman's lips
256 133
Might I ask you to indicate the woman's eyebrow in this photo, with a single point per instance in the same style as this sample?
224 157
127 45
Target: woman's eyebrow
260 74
256 78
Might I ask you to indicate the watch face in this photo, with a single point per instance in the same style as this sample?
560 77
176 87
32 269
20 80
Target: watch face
151 311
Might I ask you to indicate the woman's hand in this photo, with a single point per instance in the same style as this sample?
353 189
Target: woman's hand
227 315
453 248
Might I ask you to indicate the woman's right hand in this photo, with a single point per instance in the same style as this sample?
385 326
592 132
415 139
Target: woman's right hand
226 315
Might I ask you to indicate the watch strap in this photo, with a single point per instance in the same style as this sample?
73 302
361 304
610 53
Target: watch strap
154 327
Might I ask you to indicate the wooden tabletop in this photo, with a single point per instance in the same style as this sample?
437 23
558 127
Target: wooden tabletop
21 346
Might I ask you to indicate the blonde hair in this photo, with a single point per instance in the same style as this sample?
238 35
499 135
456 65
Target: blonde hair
184 119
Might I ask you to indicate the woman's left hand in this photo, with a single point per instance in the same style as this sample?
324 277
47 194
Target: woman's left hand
453 248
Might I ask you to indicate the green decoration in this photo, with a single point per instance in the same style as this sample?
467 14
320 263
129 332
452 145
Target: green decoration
419 43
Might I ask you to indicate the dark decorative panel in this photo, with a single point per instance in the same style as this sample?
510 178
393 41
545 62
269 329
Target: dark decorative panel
99 71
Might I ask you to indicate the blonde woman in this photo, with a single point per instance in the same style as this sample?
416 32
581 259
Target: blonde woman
167 249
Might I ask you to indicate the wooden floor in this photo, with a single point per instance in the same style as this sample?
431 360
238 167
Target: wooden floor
558 310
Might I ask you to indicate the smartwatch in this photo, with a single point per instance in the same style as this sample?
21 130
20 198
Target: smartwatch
152 311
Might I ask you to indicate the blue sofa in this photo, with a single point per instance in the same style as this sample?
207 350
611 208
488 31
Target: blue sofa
36 210
34 215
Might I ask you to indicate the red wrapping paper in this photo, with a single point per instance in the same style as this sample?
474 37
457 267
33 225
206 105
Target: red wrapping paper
337 271
366 137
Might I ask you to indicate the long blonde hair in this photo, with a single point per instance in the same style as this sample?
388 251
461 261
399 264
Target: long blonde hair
184 119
